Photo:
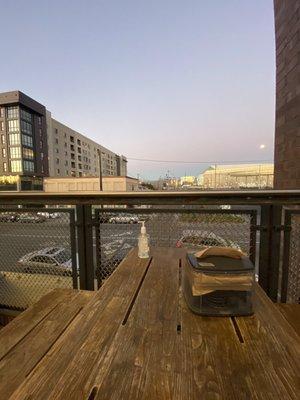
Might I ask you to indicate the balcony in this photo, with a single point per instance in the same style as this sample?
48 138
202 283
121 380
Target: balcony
92 239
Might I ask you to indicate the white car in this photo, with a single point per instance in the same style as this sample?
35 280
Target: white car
51 260
195 239
49 215
123 220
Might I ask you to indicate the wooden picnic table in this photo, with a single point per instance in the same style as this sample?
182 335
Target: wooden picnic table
135 338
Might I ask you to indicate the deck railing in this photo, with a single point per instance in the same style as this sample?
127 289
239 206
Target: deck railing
90 234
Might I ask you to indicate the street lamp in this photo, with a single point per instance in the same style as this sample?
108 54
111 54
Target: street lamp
100 168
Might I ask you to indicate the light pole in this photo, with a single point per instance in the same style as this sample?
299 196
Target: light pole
100 169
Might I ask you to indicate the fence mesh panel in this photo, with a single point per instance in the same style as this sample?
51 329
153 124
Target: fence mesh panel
117 232
293 290
35 255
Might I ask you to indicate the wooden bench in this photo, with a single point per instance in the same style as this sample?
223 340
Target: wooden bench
291 313
136 339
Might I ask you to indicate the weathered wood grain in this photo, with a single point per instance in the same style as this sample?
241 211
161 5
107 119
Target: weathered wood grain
27 320
147 349
137 339
81 349
28 352
291 313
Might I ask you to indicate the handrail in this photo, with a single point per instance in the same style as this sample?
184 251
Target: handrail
257 197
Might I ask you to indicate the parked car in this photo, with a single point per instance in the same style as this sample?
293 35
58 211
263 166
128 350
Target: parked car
195 239
123 220
50 260
31 218
111 258
8 217
49 215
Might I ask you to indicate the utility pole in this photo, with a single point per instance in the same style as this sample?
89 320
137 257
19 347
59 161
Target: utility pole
100 169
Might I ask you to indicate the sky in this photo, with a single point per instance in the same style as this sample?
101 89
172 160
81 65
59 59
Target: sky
180 80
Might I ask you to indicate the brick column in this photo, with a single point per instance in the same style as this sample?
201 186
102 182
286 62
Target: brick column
287 132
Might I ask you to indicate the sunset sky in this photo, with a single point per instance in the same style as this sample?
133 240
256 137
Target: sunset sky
189 80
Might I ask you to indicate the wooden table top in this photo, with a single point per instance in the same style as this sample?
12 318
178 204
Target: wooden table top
135 338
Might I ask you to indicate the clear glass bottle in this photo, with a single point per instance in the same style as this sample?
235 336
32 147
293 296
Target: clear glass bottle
143 243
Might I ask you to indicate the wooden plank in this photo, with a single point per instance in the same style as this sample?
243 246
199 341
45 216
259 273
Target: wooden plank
81 349
212 362
28 352
291 313
147 346
12 333
272 350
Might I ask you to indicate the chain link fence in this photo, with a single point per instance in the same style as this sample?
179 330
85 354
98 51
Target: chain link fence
117 232
291 255
37 254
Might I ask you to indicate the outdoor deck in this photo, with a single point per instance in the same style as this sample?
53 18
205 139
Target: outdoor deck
135 338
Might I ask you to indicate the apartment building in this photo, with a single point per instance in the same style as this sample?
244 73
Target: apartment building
73 154
33 145
23 144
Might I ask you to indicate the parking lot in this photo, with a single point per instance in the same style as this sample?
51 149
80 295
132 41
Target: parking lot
18 239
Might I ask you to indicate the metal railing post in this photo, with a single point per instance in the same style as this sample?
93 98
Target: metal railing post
85 246
269 249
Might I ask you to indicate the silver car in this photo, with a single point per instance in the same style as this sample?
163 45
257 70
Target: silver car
51 260
194 239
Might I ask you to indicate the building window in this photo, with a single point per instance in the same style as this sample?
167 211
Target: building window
42 169
79 142
58 171
26 115
79 150
41 144
12 112
3 139
65 135
14 139
66 144
56 131
72 164
79 158
26 127
57 160
56 141
42 156
56 151
1 126
28 166
5 167
72 156
3 152
16 166
27 140
72 147
72 139
40 120
40 132
79 166
28 153
79 173
2 112
66 153
15 152
67 172
13 125
66 162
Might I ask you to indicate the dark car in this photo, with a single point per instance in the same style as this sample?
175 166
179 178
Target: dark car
8 217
